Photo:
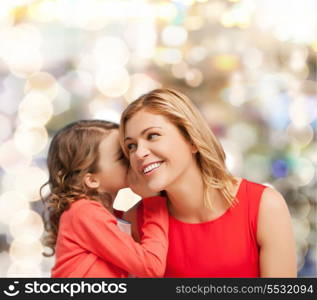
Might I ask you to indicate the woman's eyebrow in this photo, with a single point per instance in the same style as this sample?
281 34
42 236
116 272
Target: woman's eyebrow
143 132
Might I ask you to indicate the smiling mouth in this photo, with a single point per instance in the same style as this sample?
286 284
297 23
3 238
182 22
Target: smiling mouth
150 169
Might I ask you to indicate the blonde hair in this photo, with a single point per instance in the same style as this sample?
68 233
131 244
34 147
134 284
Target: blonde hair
181 112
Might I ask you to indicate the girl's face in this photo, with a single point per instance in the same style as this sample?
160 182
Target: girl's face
112 169
157 150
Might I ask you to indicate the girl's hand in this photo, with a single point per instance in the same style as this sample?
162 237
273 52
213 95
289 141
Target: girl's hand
138 185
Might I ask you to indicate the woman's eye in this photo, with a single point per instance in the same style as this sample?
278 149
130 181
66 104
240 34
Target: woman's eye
153 135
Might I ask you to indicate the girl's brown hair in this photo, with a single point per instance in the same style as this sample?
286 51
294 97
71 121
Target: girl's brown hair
181 112
73 152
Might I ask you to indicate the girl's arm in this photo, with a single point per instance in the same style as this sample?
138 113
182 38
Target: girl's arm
97 232
131 216
275 237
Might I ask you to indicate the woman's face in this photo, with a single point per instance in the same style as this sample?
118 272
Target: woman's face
112 170
157 150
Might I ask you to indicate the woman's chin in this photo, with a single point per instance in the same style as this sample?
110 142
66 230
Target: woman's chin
156 187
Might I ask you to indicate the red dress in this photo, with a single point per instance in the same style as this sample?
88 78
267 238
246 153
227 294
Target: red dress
224 247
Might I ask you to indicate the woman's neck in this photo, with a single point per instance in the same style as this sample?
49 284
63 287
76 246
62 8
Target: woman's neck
186 197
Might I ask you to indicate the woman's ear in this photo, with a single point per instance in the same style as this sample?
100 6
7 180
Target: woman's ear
193 148
91 181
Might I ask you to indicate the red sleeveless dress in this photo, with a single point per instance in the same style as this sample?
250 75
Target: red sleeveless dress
224 247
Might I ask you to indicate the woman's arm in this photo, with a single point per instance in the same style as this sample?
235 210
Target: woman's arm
275 237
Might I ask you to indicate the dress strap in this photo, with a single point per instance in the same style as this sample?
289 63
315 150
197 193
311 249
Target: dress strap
254 193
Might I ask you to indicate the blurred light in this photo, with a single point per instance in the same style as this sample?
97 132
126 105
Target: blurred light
234 159
256 168
113 81
227 20
125 199
27 222
79 83
22 2
90 15
108 115
194 77
179 70
12 160
238 15
253 58
6 17
302 135
10 203
97 104
5 262
140 84
304 209
30 140
194 23
166 11
62 102
214 9
244 135
236 91
311 152
301 229
279 168
24 269
44 11
29 182
304 170
6 128
185 2
303 111
12 94
225 62
174 35
297 60
196 54
26 37
26 248
141 37
42 82
110 51
35 109
168 56
25 63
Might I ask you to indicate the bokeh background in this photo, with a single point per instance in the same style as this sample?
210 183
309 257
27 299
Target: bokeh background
249 65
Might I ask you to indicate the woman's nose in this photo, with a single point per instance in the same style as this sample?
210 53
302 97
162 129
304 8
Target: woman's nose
142 151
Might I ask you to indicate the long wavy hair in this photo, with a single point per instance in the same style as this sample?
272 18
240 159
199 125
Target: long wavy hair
73 152
181 112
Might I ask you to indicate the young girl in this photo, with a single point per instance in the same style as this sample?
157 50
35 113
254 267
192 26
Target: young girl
86 169
219 225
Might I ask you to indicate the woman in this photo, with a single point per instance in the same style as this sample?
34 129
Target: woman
219 225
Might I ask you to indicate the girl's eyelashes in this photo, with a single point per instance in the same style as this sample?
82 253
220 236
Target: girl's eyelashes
130 146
